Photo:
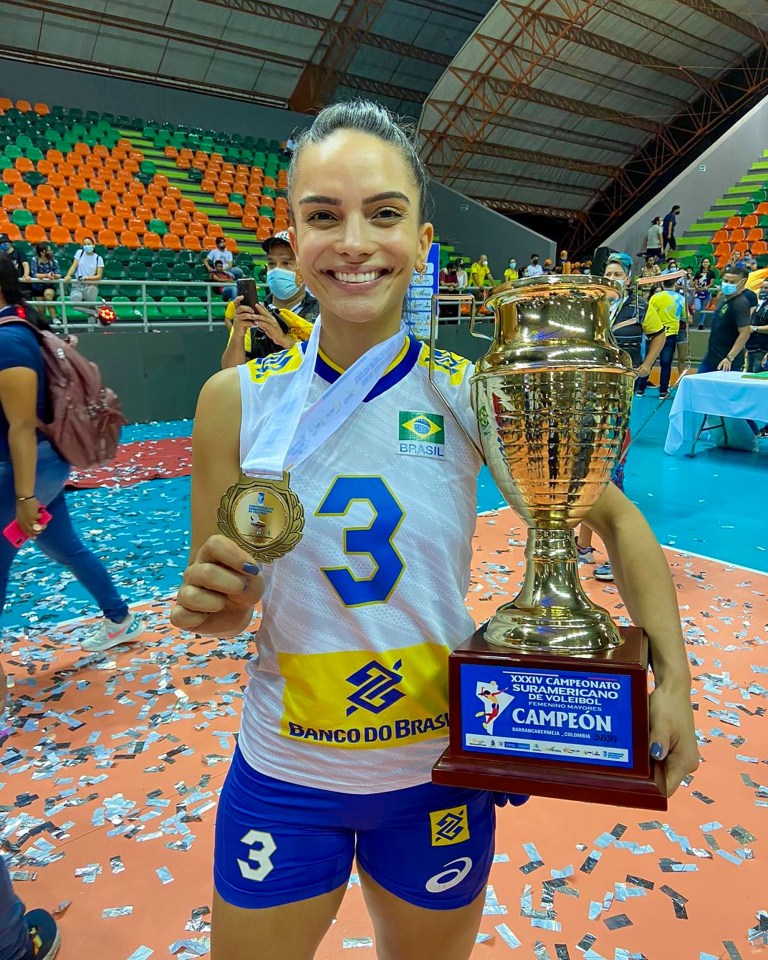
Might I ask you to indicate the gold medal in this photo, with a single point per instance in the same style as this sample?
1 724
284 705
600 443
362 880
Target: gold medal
265 517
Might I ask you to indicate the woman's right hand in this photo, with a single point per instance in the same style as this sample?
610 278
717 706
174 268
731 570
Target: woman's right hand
28 517
219 591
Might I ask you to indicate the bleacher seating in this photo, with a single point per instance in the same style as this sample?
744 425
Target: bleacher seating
736 222
153 196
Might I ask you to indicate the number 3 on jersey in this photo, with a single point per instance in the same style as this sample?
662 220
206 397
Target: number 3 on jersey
374 541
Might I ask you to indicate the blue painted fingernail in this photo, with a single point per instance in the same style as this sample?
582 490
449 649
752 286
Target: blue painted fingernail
657 751
251 568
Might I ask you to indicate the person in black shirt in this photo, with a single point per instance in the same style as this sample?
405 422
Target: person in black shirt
7 249
668 229
730 324
757 345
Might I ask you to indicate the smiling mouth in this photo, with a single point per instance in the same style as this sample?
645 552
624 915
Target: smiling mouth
368 276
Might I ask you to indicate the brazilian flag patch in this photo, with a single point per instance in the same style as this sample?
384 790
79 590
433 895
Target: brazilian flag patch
421 434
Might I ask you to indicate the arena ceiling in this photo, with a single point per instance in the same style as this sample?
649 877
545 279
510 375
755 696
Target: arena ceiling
566 114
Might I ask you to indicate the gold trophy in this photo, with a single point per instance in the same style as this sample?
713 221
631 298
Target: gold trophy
550 696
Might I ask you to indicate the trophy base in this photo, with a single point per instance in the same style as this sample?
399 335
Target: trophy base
535 631
576 730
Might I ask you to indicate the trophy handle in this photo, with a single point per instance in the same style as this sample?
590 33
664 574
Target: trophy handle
437 299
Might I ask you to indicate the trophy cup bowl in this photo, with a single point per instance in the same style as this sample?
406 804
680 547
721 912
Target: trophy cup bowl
552 398
550 697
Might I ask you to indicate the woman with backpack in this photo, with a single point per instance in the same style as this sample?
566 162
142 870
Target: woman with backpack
33 474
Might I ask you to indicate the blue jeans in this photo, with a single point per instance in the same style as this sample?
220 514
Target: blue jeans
666 357
14 935
59 541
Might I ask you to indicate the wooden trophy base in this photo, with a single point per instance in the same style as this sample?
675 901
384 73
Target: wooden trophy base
541 726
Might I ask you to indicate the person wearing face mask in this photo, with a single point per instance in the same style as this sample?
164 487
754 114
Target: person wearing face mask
480 273
534 268
87 269
730 324
287 291
757 345
462 277
45 269
631 318
8 250
511 273
563 265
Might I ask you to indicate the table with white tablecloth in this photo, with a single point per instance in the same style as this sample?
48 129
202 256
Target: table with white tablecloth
723 399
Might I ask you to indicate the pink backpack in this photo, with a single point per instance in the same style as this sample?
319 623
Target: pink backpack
83 417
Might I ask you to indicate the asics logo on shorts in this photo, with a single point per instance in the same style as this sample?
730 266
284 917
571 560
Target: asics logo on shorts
449 826
376 687
450 877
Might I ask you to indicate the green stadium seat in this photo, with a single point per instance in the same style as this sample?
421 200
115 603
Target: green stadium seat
113 270
22 218
13 152
160 271
147 166
181 271
123 254
170 307
166 256
194 308
34 179
4 188
237 198
158 227
89 195
137 270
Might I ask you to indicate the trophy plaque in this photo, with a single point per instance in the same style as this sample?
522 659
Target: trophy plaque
550 697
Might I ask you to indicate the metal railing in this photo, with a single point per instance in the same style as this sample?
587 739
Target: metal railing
149 312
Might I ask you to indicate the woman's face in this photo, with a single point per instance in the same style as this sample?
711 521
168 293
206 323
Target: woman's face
705 265
357 232
615 271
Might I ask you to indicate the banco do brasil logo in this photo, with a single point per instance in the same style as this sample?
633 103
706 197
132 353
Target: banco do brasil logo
376 687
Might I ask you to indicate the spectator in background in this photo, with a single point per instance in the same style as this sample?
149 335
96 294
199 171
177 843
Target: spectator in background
730 323
534 268
703 280
651 268
654 241
286 292
669 306
44 269
220 252
563 265
757 345
548 267
219 274
670 266
8 250
480 272
462 277
668 225
511 273
447 277
87 269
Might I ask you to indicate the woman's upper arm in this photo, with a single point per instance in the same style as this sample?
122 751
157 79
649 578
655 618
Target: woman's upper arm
18 395
215 452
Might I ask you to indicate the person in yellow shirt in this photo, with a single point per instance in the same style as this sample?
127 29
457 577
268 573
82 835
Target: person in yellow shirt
511 273
669 306
479 272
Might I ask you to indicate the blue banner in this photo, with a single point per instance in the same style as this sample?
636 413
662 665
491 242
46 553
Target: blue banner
564 715
418 297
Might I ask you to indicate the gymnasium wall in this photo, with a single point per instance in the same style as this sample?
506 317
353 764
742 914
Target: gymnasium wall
696 190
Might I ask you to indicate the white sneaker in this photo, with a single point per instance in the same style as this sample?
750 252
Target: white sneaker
110 634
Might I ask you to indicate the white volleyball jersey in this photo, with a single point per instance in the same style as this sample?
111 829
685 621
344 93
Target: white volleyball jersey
349 690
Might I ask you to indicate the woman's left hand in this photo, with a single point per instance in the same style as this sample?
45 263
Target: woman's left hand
28 517
267 323
672 728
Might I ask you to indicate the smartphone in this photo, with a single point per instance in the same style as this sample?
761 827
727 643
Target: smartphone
246 288
16 536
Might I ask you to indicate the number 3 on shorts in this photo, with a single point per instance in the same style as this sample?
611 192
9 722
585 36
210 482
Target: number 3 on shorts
262 856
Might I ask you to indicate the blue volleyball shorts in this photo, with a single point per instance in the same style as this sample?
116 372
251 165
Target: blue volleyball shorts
279 842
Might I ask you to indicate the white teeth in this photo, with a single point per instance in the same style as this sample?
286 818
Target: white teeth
354 277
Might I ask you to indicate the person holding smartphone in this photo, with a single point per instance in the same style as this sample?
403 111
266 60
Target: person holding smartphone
32 474
287 291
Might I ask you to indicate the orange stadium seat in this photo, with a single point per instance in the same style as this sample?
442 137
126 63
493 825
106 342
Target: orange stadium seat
152 241
135 225
107 238
60 236
183 216
129 238
737 236
192 243
54 156
82 233
78 181
66 192
23 106
749 222
22 189
46 219
56 180
11 175
199 216
93 222
249 222
143 213
179 229
36 205
196 229
234 210
171 242
171 152
42 109
24 165
59 206
34 233
116 224
759 247
6 104
71 221
183 163
103 210
81 207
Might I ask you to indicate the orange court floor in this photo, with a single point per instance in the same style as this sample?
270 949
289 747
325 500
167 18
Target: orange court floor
109 786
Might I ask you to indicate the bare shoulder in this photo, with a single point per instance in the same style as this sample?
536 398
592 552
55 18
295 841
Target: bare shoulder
217 418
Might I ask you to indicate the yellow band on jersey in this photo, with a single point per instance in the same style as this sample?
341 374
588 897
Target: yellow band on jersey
365 700
276 363
449 363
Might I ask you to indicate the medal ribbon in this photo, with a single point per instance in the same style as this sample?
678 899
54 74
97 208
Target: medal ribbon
292 434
